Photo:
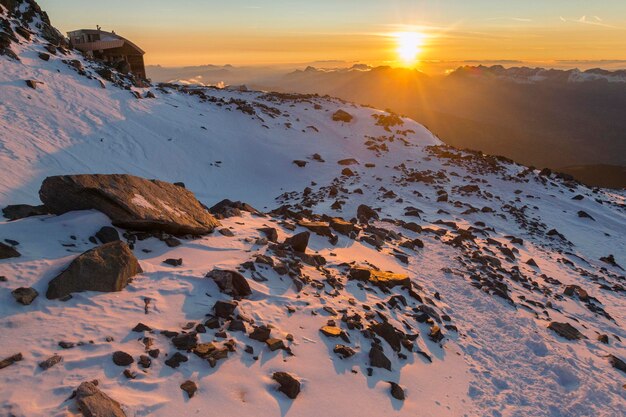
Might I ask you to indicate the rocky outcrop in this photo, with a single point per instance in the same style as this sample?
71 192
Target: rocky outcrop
107 268
131 202
94 403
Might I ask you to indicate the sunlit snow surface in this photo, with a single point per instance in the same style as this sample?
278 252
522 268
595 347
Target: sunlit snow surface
503 361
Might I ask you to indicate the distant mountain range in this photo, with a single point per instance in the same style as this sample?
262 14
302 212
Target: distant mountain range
541 117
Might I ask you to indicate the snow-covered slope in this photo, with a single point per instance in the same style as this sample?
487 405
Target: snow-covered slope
480 220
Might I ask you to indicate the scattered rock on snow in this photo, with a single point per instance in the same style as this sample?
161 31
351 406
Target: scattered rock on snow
224 309
378 358
7 252
396 391
107 268
289 385
10 360
131 202
617 363
344 351
108 234
298 242
366 213
94 403
230 282
379 278
50 362
185 341
25 295
22 211
565 330
342 116
173 262
122 358
176 359
189 387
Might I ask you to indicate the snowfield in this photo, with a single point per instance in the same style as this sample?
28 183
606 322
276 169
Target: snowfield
480 220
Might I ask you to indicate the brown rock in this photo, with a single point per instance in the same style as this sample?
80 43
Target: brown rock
379 278
131 202
7 252
24 295
10 360
566 330
122 358
289 385
189 387
230 282
94 403
342 116
298 242
107 268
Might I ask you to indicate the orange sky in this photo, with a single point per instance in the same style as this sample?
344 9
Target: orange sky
245 32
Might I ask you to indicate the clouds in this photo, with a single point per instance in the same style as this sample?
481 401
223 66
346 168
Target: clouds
588 20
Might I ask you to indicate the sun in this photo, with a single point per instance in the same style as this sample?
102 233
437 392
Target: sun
409 46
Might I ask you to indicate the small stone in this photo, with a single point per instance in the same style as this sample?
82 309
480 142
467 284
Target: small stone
396 391
260 333
108 234
189 387
224 309
140 327
173 262
122 358
50 362
176 359
230 282
24 295
275 344
236 325
617 363
130 374
226 232
172 242
10 360
185 341
7 252
344 351
144 361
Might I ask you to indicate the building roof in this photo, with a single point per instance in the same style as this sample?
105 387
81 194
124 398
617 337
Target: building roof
108 40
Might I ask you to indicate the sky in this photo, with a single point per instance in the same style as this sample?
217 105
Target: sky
376 32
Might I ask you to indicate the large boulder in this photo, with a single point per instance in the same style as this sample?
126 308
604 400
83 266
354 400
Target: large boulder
94 403
131 202
107 268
